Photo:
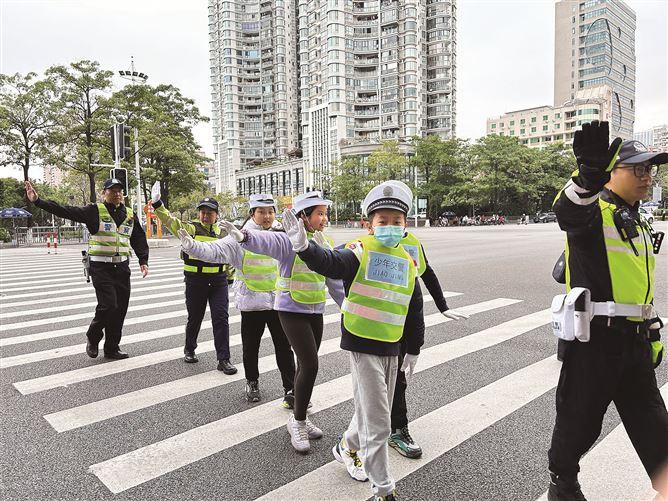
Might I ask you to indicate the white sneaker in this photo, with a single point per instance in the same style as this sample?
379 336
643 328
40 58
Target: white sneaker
298 434
313 431
352 461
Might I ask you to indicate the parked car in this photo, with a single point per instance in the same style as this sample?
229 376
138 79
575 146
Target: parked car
545 217
646 215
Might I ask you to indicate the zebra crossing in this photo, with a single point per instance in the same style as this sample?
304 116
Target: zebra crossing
185 431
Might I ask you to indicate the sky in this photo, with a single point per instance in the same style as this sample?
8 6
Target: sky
505 51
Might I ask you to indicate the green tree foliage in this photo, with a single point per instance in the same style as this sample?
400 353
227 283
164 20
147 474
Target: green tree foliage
81 138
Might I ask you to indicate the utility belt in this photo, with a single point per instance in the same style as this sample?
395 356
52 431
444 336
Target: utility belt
109 259
573 314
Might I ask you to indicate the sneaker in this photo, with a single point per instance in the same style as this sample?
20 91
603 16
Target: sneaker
313 431
564 489
289 400
392 496
298 434
226 367
352 461
404 444
252 391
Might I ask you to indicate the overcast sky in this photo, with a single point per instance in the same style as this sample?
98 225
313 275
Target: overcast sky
505 50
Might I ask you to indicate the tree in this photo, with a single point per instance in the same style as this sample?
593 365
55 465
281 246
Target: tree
82 136
168 150
387 162
350 185
555 165
26 118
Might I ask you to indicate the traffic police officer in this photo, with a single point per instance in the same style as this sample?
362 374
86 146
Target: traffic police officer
114 228
204 281
609 251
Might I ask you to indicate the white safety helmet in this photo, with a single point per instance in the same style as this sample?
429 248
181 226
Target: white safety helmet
262 200
388 195
308 199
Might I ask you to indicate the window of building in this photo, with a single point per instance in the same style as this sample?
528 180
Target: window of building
522 121
544 127
493 126
512 132
544 118
557 115
557 126
533 129
512 122
522 131
533 120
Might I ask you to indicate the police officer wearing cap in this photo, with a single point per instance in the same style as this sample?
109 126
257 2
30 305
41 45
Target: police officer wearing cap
114 228
205 282
609 251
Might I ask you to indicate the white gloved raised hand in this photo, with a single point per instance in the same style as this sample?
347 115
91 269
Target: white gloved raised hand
320 239
410 361
155 192
295 230
455 315
232 230
187 242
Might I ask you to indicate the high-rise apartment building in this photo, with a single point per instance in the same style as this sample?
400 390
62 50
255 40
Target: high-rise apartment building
367 70
655 138
595 45
253 57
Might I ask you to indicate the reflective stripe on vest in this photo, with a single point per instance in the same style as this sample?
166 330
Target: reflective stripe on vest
414 248
631 276
192 265
305 286
259 272
111 240
377 301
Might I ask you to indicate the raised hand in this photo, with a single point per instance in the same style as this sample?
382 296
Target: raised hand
31 193
232 230
155 192
187 242
295 230
592 149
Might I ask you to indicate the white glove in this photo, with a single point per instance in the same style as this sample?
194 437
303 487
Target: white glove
155 192
187 242
410 361
232 230
295 231
455 315
320 239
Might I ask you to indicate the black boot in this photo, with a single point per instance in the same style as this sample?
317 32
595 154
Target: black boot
189 357
564 489
252 391
226 367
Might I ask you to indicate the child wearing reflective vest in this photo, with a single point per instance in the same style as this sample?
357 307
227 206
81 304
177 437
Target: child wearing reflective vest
383 303
255 292
300 302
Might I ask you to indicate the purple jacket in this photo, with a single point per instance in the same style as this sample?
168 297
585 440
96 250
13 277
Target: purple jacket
277 245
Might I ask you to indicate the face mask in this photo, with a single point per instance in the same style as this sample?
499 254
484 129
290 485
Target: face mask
389 236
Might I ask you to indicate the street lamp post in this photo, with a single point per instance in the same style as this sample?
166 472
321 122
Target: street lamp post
136 77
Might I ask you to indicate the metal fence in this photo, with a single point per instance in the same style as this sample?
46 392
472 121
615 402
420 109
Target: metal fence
40 235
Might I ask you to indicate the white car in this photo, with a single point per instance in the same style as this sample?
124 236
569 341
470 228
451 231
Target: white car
646 215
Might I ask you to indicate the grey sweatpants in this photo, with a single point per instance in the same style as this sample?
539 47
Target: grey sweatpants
374 378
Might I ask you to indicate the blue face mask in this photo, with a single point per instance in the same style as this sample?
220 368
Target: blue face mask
389 236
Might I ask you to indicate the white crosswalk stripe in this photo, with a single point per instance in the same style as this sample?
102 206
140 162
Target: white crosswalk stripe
611 470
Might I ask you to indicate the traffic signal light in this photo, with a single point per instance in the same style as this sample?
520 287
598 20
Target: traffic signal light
122 176
121 144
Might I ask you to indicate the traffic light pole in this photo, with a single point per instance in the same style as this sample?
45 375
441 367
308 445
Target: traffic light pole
139 211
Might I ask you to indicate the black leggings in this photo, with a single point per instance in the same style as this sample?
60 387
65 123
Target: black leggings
304 331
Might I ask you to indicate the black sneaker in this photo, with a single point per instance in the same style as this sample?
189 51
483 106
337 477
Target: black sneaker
404 444
289 400
564 489
252 391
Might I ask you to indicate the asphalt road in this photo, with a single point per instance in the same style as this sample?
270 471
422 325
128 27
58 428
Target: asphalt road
153 427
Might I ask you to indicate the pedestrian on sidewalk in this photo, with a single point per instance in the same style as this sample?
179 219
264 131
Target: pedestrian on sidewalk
383 304
610 252
300 304
205 281
255 291
114 229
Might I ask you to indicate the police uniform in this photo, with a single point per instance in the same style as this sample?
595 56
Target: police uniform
114 230
617 363
205 282
382 309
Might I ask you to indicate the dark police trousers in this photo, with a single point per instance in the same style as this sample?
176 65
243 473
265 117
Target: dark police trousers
399 413
615 366
211 288
112 288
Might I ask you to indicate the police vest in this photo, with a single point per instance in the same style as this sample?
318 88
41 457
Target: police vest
258 272
111 240
305 286
377 302
192 265
414 248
